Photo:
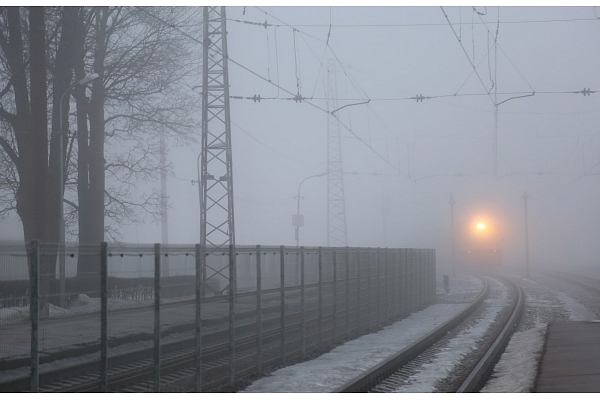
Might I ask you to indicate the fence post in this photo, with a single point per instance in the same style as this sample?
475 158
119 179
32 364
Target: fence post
427 276
347 292
422 276
103 318
369 295
34 308
399 282
410 284
200 254
386 281
358 292
282 288
334 294
419 278
433 266
157 317
393 284
403 278
259 344
320 324
378 285
232 290
302 305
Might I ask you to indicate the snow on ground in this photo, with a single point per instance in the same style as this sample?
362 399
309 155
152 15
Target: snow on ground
577 311
451 355
515 373
333 369
517 369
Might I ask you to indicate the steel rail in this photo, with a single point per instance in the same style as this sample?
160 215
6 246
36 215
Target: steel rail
476 379
386 367
571 277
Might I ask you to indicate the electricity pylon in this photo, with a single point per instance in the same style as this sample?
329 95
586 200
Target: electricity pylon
217 231
336 203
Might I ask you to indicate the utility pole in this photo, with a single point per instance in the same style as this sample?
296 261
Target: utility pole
298 219
336 202
217 231
164 216
525 197
452 235
496 138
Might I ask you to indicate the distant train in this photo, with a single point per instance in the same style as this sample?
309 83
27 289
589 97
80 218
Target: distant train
480 243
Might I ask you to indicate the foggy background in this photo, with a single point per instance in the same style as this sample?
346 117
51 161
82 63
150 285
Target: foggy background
548 143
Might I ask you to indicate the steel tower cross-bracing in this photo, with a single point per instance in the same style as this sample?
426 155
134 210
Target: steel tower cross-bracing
216 181
336 203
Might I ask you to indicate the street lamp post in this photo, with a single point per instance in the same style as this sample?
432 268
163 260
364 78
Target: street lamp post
61 226
297 221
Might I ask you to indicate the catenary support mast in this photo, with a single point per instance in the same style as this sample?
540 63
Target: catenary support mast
216 181
336 203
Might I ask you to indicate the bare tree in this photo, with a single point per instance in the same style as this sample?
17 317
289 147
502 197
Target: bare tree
146 62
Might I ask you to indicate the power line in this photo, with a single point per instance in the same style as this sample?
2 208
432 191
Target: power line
231 60
408 25
500 47
299 98
418 98
465 51
269 147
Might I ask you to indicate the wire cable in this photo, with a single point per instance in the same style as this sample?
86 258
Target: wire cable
465 51
410 25
505 55
268 51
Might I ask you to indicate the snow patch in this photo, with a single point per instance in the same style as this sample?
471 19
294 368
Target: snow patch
577 311
517 369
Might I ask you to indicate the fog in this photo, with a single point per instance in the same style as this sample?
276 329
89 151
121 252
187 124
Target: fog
547 144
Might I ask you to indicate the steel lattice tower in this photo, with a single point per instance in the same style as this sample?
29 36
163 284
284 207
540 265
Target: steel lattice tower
216 181
336 203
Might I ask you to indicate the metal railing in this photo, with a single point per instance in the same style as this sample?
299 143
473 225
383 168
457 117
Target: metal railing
312 297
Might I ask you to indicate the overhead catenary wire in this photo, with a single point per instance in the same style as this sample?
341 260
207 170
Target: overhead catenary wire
233 61
418 97
419 24
500 47
465 51
268 51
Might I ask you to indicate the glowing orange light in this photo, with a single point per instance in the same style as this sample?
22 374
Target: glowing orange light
480 225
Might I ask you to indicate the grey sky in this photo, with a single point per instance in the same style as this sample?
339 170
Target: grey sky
546 143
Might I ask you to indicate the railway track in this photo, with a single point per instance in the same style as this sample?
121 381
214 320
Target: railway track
589 283
132 371
134 368
396 370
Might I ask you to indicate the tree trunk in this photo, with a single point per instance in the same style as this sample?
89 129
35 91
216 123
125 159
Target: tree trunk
96 146
36 189
85 261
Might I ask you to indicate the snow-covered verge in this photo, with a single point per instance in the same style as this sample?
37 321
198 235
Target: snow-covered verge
515 372
517 369
333 369
450 356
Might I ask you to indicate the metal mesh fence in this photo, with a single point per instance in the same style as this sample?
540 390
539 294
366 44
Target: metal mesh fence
150 299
